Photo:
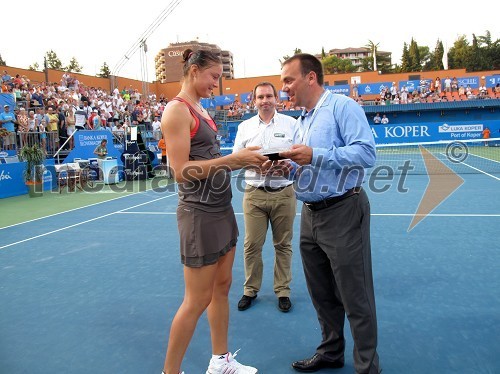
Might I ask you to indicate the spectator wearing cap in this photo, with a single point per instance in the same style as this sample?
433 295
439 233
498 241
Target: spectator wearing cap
94 120
7 121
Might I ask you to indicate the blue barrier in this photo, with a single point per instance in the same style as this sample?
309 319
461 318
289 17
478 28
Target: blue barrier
12 181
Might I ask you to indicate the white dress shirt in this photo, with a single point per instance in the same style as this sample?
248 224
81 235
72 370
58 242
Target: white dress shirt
278 133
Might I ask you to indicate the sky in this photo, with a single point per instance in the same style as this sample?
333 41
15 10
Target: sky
258 32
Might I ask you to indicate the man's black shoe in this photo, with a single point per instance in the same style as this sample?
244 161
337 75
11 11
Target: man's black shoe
245 302
284 304
316 363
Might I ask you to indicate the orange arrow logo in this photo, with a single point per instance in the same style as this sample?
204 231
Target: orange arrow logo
442 183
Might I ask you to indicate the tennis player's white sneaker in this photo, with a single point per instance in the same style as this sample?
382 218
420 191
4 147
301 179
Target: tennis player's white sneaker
228 365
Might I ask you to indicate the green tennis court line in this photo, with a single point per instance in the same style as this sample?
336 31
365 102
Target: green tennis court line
22 208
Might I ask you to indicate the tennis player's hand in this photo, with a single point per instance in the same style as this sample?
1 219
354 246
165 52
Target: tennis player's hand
249 157
299 153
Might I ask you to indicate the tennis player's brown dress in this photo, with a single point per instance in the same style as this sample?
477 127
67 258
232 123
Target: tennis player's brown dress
205 216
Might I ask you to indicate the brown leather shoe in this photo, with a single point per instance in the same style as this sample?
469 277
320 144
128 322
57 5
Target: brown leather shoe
316 363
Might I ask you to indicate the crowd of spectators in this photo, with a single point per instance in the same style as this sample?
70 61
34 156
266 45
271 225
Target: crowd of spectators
57 110
54 111
431 91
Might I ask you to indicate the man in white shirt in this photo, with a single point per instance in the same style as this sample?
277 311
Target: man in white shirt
156 128
268 199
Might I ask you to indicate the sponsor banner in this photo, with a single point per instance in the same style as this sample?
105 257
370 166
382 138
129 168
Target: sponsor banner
460 128
432 131
246 97
282 95
412 85
86 142
208 103
12 181
224 100
492 80
341 89
373 88
473 82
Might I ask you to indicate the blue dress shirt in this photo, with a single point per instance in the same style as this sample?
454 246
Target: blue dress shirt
343 146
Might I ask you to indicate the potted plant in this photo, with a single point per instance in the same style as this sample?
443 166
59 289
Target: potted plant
33 173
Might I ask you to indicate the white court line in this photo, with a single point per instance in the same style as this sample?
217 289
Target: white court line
373 214
83 222
479 170
71 210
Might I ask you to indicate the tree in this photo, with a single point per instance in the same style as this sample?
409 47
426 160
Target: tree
295 52
436 58
414 54
73 66
474 56
105 71
53 61
405 59
323 54
2 62
424 56
457 55
334 65
34 67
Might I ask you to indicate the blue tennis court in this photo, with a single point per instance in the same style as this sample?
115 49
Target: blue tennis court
93 290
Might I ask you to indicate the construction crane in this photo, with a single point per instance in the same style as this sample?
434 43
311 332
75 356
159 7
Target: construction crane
141 44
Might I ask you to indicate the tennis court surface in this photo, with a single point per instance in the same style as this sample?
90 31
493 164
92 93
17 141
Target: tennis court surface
94 289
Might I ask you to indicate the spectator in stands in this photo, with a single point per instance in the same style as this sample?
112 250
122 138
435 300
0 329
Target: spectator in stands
70 126
355 92
486 135
37 98
454 84
31 121
404 95
387 97
163 148
80 118
377 119
42 126
393 90
7 79
483 91
437 85
384 120
156 128
447 84
497 89
61 124
461 91
23 125
468 92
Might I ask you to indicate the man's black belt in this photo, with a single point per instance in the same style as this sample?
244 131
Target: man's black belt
271 189
322 204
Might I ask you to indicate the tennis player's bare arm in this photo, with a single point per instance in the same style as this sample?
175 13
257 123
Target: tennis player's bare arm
177 124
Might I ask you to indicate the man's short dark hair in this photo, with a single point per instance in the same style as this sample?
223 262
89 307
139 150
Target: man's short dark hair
308 63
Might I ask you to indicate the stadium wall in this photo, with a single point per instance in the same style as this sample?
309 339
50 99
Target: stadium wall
240 85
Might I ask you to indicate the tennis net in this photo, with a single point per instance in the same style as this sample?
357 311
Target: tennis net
441 157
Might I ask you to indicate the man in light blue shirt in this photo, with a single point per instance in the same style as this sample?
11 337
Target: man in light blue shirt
7 121
333 146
